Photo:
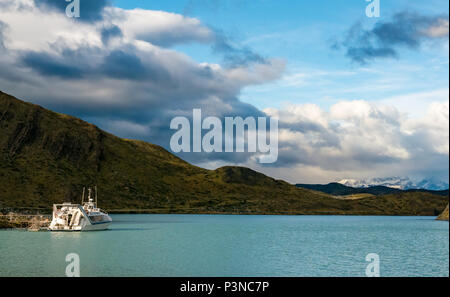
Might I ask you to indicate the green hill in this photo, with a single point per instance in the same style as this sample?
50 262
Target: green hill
47 158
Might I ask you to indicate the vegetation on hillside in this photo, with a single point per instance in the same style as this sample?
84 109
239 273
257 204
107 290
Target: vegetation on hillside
444 215
47 158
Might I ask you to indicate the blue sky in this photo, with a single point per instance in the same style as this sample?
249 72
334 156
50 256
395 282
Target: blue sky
301 32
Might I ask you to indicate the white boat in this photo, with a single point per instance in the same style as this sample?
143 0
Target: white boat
80 217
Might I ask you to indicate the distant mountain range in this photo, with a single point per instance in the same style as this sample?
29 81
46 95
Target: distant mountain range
341 190
401 183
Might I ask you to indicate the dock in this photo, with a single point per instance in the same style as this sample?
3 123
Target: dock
36 222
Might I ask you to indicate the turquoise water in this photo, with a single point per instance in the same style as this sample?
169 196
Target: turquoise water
219 245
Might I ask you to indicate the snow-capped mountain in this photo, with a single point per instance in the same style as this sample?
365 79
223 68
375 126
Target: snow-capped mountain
402 183
432 185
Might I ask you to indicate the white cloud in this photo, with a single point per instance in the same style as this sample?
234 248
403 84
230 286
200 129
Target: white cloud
360 139
36 28
414 104
33 29
433 127
158 27
62 46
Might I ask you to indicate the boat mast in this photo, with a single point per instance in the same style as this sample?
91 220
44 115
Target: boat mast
96 196
89 195
82 197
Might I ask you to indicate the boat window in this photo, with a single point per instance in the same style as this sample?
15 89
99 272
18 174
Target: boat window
96 218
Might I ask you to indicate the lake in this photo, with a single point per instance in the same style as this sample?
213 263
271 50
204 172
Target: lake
231 245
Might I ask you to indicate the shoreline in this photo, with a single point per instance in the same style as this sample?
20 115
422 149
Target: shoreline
39 225
28 222
237 212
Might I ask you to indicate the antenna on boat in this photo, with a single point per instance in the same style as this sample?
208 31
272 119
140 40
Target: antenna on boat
82 197
95 196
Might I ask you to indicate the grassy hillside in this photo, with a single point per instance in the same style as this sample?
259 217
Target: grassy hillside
47 158
444 215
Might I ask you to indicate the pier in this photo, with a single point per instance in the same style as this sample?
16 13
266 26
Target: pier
36 222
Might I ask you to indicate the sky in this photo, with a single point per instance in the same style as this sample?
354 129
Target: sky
356 97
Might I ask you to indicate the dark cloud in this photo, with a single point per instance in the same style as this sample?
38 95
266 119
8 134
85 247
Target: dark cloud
74 64
63 63
107 33
46 64
362 54
136 94
235 55
405 29
90 10
2 34
122 65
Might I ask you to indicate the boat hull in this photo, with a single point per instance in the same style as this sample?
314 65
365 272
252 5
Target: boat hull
93 227
97 227
84 224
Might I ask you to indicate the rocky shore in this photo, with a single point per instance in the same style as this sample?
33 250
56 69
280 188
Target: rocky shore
444 215
28 222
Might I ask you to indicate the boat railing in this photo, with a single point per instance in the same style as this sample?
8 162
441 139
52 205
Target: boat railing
64 204
102 210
